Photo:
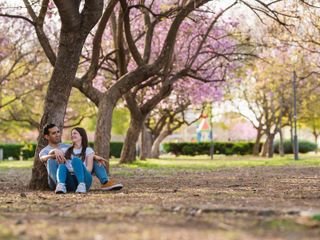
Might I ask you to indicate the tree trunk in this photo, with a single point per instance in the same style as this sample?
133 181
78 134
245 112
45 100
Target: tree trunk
57 97
155 151
256 146
281 144
265 148
316 141
128 153
270 145
146 143
104 124
291 134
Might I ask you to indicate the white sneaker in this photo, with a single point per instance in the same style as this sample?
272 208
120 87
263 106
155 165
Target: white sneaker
60 188
81 188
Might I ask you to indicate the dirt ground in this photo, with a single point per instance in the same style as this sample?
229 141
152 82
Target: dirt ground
230 203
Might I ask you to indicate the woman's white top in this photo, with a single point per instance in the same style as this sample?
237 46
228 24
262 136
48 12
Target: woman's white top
76 153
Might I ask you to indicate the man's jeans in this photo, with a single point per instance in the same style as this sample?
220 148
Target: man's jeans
100 171
52 167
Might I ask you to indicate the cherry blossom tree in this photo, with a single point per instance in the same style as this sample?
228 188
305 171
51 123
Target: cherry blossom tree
77 20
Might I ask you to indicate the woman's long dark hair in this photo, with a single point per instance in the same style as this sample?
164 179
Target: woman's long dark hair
84 144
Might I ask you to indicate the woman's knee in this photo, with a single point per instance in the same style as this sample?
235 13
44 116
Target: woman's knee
62 166
76 161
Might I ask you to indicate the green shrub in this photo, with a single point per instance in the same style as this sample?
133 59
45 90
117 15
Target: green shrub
27 150
189 149
115 149
11 150
203 148
304 146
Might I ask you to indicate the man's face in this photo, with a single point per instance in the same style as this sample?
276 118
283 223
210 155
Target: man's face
54 136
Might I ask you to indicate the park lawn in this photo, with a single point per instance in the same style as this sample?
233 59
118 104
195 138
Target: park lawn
204 162
197 162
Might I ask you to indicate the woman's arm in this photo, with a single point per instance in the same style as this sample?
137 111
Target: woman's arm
89 162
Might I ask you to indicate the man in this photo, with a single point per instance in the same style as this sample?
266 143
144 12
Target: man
52 133
53 158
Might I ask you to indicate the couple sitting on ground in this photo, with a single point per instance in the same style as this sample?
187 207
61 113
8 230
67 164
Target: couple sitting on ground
70 166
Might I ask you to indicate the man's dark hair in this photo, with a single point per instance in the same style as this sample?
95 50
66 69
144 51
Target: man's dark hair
47 127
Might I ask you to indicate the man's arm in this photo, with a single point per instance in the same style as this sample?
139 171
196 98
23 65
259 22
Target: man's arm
101 160
55 154
45 158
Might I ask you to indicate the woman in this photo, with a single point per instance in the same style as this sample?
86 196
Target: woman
75 173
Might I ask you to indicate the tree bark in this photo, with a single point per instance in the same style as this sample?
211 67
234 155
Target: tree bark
104 124
57 97
315 135
155 151
146 143
281 144
128 153
265 148
256 146
270 145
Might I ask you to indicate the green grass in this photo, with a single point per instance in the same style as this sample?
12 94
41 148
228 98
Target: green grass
198 162
278 224
16 164
205 163
316 217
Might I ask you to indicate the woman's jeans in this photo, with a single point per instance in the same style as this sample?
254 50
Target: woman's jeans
71 180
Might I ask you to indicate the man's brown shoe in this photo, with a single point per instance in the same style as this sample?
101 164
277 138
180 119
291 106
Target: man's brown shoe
111 185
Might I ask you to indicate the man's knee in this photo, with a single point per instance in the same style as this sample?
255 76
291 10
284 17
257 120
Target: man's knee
52 163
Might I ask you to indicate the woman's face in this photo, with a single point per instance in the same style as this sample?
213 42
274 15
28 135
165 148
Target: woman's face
75 136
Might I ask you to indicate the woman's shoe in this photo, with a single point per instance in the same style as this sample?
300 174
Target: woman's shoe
60 188
81 188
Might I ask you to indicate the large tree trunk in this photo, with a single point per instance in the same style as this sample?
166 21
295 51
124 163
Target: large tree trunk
256 146
155 151
270 145
128 153
146 143
104 124
57 97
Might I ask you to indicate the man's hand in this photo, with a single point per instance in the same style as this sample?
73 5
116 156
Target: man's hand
100 160
59 156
